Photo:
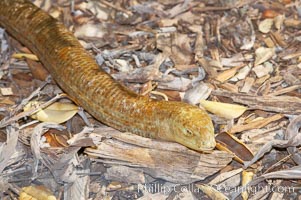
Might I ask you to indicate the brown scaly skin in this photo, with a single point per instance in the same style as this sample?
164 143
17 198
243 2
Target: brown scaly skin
108 101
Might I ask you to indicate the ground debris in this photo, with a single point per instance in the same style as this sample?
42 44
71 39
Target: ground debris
239 60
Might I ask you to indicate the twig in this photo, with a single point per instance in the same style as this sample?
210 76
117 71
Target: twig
8 121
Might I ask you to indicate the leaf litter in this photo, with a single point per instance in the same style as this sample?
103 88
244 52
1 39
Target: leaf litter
240 61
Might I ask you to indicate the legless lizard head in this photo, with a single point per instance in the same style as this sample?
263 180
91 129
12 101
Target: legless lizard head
190 126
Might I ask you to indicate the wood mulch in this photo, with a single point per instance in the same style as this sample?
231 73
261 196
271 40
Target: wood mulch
238 59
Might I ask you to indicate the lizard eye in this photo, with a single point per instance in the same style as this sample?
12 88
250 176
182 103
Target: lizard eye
189 132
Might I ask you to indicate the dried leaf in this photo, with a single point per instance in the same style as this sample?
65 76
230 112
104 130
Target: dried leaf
236 60
294 23
226 110
7 101
281 104
163 42
36 192
122 65
248 83
229 87
222 77
97 9
263 70
295 141
263 54
247 176
57 112
200 91
90 30
291 132
179 84
256 124
229 143
182 53
25 55
265 25
8 148
224 176
269 42
249 43
279 20
242 74
6 91
4 45
292 173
